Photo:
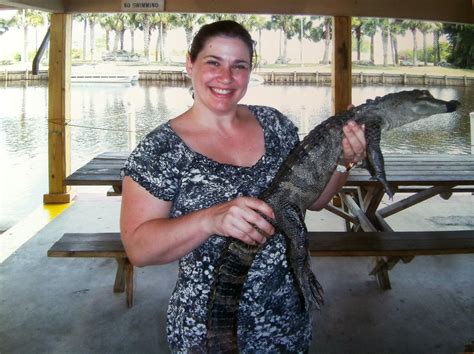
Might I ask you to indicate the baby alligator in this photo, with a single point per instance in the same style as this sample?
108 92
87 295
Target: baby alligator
299 182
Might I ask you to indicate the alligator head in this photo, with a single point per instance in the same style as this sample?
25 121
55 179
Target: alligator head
404 107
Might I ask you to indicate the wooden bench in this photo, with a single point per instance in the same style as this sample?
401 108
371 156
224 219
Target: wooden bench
390 247
394 246
99 245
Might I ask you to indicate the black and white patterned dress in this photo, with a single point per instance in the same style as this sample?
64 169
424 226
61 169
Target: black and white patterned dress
271 318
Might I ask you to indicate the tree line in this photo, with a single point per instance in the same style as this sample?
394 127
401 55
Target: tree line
459 53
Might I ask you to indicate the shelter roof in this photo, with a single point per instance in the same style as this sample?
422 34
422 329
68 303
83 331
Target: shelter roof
460 11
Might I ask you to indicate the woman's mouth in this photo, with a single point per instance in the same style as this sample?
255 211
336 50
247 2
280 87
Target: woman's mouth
221 91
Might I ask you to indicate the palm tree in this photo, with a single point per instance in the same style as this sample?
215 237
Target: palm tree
425 28
156 23
413 26
302 27
132 22
168 22
258 23
315 33
3 26
24 19
284 23
82 18
187 22
92 20
357 25
327 35
118 26
384 26
107 23
146 28
221 17
396 28
437 28
370 29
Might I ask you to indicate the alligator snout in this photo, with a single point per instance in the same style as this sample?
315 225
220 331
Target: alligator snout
452 105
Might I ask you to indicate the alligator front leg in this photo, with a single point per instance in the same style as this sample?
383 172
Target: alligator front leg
295 231
375 162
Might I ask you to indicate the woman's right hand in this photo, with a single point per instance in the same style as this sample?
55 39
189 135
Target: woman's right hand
151 236
240 218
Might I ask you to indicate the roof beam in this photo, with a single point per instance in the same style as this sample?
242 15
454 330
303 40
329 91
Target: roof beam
461 11
431 10
44 5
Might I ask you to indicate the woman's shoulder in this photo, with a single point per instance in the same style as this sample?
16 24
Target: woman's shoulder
159 135
160 144
265 111
272 119
269 115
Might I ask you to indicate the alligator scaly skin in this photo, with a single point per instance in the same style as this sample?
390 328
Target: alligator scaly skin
299 182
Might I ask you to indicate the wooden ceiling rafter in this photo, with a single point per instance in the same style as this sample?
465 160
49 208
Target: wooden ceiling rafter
460 11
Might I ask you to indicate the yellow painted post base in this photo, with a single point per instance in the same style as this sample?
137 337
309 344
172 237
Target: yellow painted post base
58 198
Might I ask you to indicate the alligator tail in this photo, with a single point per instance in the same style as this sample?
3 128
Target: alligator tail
235 262
310 290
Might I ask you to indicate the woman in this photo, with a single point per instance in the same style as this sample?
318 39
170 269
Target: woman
192 182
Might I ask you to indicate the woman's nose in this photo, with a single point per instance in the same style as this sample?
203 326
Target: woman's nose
225 74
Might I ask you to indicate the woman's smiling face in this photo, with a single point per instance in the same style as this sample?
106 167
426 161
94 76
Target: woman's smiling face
220 73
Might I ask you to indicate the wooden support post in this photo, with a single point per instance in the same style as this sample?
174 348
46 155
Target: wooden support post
59 87
120 276
341 64
129 283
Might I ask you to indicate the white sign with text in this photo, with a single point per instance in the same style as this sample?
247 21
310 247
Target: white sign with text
143 5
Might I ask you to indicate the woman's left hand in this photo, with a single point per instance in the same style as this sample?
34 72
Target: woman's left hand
353 143
354 150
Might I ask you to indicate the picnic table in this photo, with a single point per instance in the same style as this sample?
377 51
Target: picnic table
424 175
102 170
367 231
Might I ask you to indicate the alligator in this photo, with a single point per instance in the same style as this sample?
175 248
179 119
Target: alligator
298 183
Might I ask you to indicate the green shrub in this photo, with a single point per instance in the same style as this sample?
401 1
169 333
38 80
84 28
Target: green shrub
408 54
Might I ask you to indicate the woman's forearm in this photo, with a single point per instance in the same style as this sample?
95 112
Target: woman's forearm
336 182
164 240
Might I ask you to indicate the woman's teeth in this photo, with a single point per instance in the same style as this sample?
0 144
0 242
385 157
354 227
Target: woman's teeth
221 92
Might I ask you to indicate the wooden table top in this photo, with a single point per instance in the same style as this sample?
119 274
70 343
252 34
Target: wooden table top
412 169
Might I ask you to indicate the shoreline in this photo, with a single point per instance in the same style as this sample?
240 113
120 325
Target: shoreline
265 75
306 67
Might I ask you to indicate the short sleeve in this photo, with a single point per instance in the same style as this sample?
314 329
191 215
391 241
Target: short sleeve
154 164
288 133
284 132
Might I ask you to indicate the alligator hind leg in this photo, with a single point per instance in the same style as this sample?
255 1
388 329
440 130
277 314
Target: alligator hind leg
295 230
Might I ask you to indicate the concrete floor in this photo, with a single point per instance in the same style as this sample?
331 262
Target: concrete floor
66 305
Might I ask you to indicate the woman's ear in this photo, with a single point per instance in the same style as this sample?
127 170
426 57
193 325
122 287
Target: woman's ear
189 65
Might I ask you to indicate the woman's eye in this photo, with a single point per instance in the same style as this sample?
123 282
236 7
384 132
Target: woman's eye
212 63
241 67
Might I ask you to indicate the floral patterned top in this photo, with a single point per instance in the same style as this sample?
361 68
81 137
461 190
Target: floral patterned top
271 317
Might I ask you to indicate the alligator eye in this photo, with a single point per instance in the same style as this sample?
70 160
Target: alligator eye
426 93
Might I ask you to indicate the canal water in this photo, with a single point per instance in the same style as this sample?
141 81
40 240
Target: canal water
114 117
